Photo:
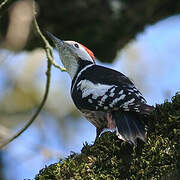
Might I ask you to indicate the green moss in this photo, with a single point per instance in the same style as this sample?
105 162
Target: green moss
110 158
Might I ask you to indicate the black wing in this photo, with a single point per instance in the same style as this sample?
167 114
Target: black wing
100 89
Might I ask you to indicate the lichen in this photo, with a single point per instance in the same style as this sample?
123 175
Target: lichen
111 158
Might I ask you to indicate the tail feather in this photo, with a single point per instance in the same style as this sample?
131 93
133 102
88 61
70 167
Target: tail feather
146 109
129 127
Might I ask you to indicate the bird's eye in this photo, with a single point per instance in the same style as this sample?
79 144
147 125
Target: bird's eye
76 45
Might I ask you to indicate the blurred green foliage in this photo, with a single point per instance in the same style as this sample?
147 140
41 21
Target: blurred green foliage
110 158
105 26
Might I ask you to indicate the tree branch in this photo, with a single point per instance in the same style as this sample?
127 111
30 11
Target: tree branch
3 3
110 158
49 54
48 48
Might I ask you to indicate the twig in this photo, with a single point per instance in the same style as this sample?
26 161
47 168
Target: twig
49 55
48 47
3 3
4 6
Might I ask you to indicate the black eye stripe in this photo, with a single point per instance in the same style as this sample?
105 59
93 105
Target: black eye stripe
76 45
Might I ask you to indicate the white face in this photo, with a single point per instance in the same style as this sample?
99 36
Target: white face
70 53
79 50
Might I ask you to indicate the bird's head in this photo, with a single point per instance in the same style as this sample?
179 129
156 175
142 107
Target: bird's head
72 54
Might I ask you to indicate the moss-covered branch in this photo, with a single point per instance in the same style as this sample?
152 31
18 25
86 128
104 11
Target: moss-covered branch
110 158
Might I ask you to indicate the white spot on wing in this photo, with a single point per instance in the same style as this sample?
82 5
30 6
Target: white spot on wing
130 102
90 101
112 90
104 98
121 92
112 94
137 105
122 96
100 103
89 88
131 90
117 99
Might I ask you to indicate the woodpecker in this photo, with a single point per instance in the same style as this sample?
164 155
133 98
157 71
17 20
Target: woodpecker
106 97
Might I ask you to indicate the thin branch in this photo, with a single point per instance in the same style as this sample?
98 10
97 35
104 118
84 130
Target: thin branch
4 6
48 47
48 74
49 55
3 3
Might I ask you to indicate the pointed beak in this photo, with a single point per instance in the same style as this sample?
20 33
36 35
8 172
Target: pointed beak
57 42
67 54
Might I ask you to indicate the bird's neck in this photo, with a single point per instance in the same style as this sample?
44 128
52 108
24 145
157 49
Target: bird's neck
83 65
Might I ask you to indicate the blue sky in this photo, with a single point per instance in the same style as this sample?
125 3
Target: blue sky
158 62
